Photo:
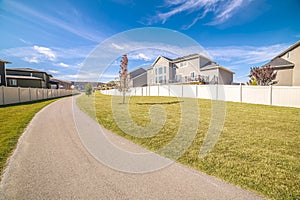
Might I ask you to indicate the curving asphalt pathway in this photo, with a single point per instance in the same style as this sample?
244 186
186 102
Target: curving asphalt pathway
51 162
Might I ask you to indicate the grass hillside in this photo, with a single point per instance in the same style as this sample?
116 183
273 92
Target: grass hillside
258 148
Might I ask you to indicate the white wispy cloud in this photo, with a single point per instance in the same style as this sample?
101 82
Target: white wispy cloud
53 71
31 60
246 54
220 9
61 64
117 46
21 10
139 56
45 52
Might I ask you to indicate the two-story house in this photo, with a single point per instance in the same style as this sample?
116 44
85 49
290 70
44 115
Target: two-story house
287 65
23 77
187 69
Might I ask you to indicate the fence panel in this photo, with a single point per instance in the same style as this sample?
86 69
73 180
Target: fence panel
286 97
33 94
256 94
207 91
1 95
11 95
189 91
139 91
154 91
267 95
24 94
231 92
175 90
164 90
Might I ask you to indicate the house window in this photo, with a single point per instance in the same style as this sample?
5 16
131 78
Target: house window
156 71
12 82
160 79
165 69
156 80
288 55
160 70
183 64
165 79
192 74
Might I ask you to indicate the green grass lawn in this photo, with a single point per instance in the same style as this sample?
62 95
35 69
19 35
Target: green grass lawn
13 121
258 149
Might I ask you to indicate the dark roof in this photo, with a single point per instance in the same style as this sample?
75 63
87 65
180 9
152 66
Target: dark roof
289 49
27 70
4 61
215 66
191 56
279 62
55 80
195 55
23 77
137 72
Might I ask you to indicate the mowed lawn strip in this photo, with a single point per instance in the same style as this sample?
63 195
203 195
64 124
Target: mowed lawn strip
13 121
258 149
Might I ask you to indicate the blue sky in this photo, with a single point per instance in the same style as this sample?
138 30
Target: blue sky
57 36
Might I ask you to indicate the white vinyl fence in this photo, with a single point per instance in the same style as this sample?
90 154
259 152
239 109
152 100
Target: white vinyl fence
267 95
12 95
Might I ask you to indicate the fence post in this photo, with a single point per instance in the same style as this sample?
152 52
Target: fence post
196 91
3 96
271 95
29 94
241 93
169 89
19 94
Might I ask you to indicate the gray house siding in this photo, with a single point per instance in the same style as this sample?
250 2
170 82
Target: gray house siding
139 81
25 83
2 74
25 77
225 77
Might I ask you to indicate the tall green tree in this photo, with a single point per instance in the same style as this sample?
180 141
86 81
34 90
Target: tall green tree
88 89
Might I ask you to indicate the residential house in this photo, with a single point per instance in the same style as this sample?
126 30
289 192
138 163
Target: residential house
60 84
27 77
188 69
23 77
287 65
138 78
162 71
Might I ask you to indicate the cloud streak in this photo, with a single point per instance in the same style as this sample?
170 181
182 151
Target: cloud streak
32 15
221 10
246 54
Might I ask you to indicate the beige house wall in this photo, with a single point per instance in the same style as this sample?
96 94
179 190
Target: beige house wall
190 66
150 77
284 77
294 57
210 73
225 77
162 62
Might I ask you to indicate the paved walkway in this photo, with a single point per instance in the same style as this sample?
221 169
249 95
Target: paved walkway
51 162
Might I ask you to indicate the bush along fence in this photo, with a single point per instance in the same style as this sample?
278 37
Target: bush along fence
266 95
13 95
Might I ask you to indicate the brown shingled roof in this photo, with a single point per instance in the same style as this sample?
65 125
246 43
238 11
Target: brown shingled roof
279 62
